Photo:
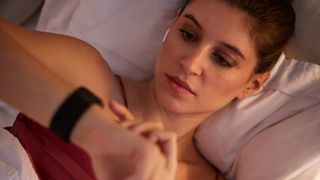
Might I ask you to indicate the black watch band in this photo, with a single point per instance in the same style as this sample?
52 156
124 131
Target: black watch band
71 110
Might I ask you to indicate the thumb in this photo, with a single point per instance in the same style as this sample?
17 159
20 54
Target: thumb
120 111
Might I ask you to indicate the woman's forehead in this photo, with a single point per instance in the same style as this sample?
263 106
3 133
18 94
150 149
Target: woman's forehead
220 22
213 9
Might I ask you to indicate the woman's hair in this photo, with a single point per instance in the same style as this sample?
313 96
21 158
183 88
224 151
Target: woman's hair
272 24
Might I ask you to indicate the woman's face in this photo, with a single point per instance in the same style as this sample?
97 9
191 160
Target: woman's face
207 59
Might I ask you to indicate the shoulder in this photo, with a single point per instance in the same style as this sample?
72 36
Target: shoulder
63 46
75 61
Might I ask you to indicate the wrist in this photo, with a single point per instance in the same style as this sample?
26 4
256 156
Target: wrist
86 133
71 110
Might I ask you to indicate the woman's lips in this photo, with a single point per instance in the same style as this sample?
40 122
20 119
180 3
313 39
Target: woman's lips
181 84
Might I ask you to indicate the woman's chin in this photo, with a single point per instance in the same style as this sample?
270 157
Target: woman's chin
172 105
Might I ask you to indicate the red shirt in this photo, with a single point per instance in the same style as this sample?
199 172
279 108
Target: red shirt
52 158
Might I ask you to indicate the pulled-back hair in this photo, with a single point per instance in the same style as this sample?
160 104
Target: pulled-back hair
272 24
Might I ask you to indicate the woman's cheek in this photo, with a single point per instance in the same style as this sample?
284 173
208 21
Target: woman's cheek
224 86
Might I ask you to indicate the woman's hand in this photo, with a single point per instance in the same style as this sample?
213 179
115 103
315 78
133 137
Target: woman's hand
153 131
166 141
115 152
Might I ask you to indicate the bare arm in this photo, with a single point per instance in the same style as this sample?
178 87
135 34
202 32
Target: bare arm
24 80
75 61
28 84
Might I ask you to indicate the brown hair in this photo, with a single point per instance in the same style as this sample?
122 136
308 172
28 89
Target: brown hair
272 24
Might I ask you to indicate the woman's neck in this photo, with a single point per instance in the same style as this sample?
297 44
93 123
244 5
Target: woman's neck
144 106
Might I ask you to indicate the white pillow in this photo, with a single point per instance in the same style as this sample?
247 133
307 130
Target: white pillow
305 45
18 11
294 87
288 150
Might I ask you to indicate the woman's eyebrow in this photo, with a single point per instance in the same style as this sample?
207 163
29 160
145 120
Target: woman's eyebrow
229 46
234 49
193 19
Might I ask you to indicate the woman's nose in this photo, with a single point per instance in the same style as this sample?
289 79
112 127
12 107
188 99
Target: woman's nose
193 63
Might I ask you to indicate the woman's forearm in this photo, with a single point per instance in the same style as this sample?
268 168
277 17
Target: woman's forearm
42 69
75 61
27 84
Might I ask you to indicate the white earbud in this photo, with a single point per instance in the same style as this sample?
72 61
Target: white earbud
165 35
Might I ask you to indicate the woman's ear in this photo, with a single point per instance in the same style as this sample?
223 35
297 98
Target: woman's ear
255 83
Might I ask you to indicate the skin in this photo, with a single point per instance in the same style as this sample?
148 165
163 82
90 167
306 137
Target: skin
198 56
195 56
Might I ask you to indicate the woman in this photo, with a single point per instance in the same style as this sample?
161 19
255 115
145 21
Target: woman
216 51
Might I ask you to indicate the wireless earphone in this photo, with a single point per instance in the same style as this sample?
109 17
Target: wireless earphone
165 35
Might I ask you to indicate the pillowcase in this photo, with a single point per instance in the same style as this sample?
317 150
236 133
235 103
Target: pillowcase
291 93
18 11
289 150
306 42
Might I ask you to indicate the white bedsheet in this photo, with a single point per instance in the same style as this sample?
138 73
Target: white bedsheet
7 114
14 161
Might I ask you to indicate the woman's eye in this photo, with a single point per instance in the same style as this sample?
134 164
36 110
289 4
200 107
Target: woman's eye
187 35
221 60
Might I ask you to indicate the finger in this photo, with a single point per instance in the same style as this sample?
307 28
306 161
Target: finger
127 124
138 128
168 145
121 111
145 127
153 139
149 161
